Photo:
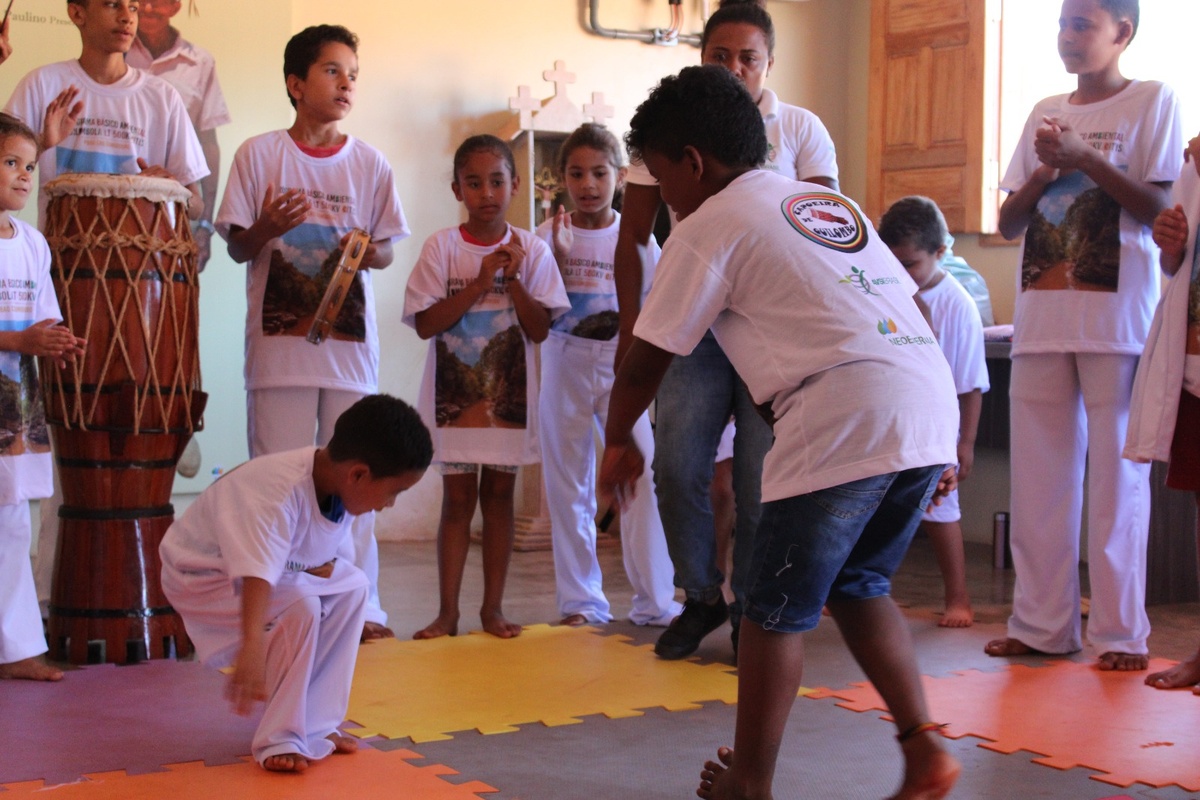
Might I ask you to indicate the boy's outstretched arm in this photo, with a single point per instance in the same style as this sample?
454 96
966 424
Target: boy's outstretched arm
46 338
636 383
639 209
1170 233
1060 147
278 216
248 683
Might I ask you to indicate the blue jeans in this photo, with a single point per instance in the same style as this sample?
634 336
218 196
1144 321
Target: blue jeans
696 397
844 543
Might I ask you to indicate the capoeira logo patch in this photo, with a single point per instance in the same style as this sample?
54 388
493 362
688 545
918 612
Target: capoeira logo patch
826 219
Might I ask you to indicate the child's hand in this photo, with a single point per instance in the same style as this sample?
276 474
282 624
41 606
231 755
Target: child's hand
966 460
61 116
620 468
248 683
498 260
1170 233
946 484
280 214
154 171
5 47
51 340
1060 147
516 256
564 237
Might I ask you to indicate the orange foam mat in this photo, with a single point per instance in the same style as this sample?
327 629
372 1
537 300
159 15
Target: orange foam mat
1072 714
426 690
367 773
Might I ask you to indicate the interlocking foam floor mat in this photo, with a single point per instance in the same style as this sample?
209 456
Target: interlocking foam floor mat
428 689
133 718
367 773
1071 714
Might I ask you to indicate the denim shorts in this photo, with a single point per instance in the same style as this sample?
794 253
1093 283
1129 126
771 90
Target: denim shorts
840 543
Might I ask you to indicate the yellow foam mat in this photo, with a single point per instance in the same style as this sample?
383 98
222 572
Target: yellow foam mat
425 690
367 773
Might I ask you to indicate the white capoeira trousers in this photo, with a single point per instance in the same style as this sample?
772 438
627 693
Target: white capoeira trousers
313 630
21 634
1069 410
273 426
577 378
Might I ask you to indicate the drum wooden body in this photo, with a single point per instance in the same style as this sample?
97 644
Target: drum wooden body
124 269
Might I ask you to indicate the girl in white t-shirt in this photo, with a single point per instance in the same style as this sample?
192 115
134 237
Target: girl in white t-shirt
482 292
29 326
916 232
577 376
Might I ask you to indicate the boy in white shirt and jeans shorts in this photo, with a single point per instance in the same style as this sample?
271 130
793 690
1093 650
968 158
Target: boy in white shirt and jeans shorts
818 319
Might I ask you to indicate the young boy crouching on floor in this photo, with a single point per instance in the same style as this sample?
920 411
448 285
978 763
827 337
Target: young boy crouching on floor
260 568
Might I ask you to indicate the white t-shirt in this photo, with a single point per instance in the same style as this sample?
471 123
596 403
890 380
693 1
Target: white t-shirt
139 116
479 392
193 73
959 332
26 296
354 188
817 317
588 277
1089 271
798 145
261 520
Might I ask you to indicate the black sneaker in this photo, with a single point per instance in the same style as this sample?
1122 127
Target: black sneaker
683 636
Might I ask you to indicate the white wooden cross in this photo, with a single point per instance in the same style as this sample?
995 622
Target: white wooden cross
559 77
597 111
525 104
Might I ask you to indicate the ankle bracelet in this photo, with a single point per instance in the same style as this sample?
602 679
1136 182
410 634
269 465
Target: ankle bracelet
917 730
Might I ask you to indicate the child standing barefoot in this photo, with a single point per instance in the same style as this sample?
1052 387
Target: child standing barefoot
859 397
915 230
1164 420
1091 172
577 375
28 327
483 292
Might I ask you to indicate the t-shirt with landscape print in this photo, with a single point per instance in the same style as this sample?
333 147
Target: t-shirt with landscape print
588 277
26 296
353 188
1089 279
479 391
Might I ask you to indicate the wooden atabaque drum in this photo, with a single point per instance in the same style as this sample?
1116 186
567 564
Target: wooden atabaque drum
124 268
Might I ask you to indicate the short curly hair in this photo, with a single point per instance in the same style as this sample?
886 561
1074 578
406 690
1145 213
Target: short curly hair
383 432
704 107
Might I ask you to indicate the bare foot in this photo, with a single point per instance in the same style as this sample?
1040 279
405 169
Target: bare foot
1010 647
1123 662
1180 676
373 630
495 624
957 617
713 774
573 620
929 771
285 762
444 625
343 743
30 669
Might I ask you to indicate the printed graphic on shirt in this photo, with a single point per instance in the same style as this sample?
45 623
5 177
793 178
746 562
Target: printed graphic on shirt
887 327
593 296
481 369
68 160
299 275
826 219
22 415
1074 238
